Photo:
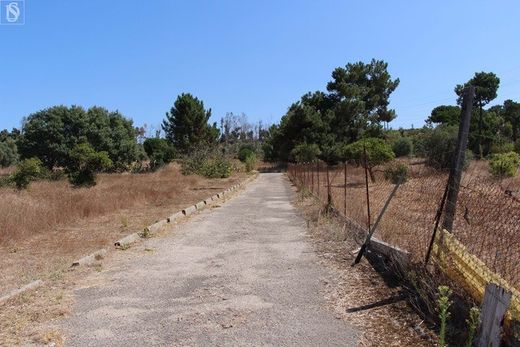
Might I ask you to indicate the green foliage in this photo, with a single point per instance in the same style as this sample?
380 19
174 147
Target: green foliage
250 162
473 323
445 114
159 151
439 146
402 147
85 163
369 152
244 152
186 125
8 153
26 171
355 105
305 153
207 163
504 164
444 303
502 147
396 171
52 133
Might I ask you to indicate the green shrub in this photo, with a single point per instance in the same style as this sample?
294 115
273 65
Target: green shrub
244 152
8 153
402 147
159 151
502 147
439 146
28 170
504 164
377 153
396 171
85 163
250 162
305 153
206 163
517 146
444 304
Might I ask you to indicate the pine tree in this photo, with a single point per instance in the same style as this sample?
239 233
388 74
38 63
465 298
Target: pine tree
186 125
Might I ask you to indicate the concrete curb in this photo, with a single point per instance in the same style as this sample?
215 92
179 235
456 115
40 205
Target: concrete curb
189 210
200 205
12 294
157 226
91 258
127 240
174 217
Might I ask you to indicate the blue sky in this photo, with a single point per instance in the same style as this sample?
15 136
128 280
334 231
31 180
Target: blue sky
255 57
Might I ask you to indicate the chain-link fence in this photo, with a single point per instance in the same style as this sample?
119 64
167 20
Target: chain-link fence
486 226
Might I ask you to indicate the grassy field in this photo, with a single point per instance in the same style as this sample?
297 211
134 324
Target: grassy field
43 229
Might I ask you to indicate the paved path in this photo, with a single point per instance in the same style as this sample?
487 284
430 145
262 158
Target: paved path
239 275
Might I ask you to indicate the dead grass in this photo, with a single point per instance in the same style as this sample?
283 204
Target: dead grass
49 225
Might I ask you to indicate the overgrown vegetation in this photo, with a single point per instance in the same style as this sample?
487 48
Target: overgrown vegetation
368 153
504 164
84 163
26 171
159 152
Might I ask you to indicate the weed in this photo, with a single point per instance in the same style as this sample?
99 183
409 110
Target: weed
145 234
444 304
124 246
473 323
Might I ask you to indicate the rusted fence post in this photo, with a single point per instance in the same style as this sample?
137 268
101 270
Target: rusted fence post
329 195
318 170
345 189
312 177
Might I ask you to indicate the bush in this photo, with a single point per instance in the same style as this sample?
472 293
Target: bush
250 162
396 171
28 170
504 164
244 152
305 153
402 147
502 147
159 151
439 146
377 153
85 163
206 163
8 153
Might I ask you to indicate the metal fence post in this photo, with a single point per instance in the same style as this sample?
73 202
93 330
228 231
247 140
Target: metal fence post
329 196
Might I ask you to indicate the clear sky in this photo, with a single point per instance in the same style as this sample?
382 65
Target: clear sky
255 57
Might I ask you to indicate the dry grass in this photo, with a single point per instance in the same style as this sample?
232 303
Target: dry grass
47 226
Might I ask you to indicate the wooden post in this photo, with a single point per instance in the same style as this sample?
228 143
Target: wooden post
312 177
458 160
495 304
345 189
366 186
318 169
329 196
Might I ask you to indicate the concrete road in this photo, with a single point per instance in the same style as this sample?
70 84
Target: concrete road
239 275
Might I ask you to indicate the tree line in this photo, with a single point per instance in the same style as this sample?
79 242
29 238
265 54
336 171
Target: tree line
79 142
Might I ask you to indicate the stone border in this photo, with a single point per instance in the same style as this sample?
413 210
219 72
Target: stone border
12 294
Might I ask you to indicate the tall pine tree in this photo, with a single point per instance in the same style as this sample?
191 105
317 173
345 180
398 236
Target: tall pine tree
186 125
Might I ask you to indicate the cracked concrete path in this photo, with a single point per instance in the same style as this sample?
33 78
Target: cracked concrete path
239 275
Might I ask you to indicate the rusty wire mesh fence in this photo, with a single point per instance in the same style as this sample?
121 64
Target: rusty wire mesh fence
486 223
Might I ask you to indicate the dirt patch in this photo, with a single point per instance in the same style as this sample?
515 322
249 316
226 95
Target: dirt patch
388 325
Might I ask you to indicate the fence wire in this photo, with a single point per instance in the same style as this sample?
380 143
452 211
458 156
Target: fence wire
487 219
